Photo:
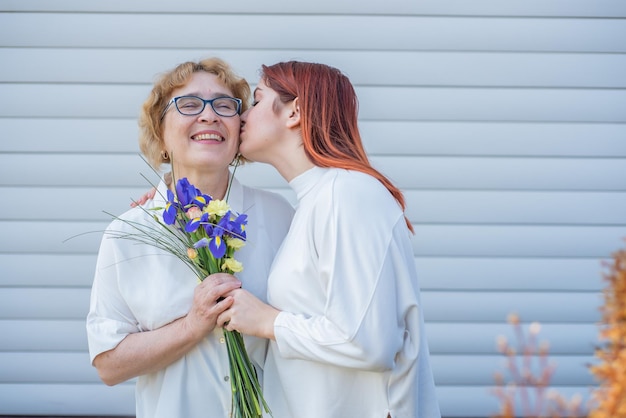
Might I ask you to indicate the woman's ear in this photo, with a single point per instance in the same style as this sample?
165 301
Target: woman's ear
294 113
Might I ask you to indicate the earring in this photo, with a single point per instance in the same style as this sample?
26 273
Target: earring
165 156
236 161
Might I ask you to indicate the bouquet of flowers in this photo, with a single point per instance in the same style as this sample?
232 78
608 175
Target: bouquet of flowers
204 233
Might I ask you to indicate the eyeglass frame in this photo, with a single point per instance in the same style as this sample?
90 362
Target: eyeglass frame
204 103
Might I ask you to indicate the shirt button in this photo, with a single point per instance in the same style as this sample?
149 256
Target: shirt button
222 340
226 378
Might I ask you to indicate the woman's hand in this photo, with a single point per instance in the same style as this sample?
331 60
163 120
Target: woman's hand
248 315
210 299
167 178
149 351
143 199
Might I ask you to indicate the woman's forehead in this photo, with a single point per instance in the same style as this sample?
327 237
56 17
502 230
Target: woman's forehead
205 85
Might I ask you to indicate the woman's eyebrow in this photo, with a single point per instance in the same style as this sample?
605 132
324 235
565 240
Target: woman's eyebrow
211 96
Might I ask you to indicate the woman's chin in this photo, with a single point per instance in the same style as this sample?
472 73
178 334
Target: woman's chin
247 153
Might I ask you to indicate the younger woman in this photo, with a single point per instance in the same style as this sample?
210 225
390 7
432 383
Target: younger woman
343 314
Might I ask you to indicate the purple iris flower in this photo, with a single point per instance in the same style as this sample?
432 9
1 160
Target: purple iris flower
201 200
217 246
186 192
169 213
215 241
194 223
204 242
237 227
208 228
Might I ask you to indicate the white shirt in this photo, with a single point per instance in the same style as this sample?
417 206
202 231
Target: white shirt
350 338
138 287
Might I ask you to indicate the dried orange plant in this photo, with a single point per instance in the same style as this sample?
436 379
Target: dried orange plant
528 390
610 398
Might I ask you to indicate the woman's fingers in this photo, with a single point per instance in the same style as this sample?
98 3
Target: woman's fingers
210 300
143 199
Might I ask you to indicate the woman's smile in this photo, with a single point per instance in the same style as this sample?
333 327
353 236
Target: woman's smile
208 136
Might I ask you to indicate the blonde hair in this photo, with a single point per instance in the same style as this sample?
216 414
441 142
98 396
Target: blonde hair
151 141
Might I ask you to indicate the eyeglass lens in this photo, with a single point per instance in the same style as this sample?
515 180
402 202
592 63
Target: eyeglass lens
191 105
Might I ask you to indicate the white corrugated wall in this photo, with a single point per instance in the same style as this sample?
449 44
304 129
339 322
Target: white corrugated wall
503 123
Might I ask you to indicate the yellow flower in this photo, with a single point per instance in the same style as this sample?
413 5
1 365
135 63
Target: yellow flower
232 265
217 208
235 243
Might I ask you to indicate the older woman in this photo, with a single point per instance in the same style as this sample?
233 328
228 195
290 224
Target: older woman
149 318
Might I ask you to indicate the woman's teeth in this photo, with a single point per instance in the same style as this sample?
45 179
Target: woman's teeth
206 137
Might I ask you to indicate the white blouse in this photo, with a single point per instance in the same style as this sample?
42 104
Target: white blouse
350 339
138 288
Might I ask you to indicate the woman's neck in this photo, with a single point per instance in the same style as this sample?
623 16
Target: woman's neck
212 183
291 163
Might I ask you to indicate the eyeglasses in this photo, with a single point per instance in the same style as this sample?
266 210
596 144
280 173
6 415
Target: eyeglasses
193 105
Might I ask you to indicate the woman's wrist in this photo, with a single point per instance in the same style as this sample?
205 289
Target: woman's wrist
271 320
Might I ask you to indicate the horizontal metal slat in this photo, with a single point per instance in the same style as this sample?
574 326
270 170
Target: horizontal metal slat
381 103
439 306
408 172
392 138
383 67
429 241
382 32
524 8
449 370
435 273
444 338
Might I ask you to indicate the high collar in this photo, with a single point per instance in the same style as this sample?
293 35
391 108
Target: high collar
305 182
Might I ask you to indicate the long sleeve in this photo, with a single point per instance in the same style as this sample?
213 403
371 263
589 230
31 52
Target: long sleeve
350 336
354 229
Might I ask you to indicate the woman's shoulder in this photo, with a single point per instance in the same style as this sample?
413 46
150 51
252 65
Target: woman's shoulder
268 209
142 214
357 184
268 200
356 190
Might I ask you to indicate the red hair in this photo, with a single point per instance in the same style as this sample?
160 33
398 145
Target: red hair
329 110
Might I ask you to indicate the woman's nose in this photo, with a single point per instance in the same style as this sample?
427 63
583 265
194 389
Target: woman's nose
208 115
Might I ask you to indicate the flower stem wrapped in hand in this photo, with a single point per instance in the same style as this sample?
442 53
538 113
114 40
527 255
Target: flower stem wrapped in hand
204 233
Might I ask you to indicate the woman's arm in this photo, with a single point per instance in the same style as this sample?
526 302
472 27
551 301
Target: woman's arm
149 195
146 352
357 320
249 315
